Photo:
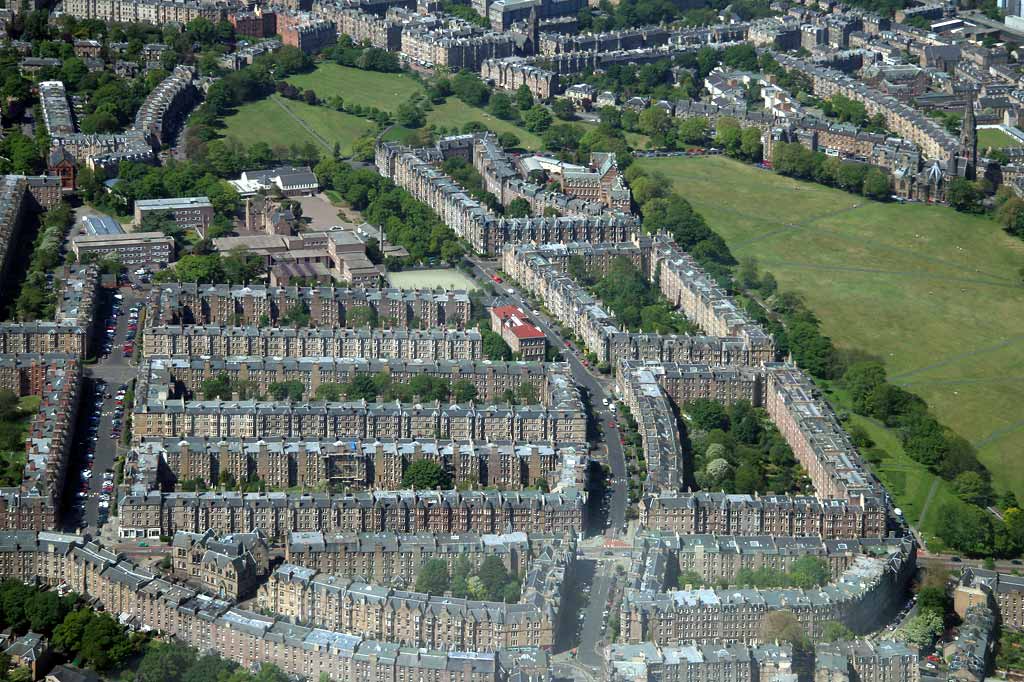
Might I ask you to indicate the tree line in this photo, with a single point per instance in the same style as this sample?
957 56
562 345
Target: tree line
805 573
491 581
797 161
405 220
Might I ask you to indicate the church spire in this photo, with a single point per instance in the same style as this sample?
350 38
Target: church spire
969 137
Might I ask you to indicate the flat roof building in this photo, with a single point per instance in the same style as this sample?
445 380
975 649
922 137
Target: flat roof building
134 248
194 213
101 225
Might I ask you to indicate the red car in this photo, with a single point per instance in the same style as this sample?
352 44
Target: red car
496 279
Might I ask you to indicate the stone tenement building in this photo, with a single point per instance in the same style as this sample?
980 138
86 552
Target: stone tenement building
163 408
485 232
735 340
20 195
25 373
151 515
249 639
818 441
35 504
861 598
908 123
777 515
868 661
157 122
718 662
685 284
659 558
395 560
684 383
230 566
176 418
354 464
552 382
324 342
459 46
258 305
512 72
383 33
1004 589
303 595
156 12
166 107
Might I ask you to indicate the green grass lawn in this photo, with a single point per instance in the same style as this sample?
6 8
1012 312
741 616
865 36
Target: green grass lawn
456 113
267 121
384 91
995 138
934 294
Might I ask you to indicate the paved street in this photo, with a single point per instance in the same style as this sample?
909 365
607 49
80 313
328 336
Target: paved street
595 387
595 622
115 370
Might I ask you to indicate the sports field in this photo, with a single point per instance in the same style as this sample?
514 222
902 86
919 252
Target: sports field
278 121
384 91
428 279
996 139
935 294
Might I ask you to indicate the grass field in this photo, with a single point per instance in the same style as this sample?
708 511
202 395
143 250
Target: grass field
384 91
278 121
428 279
455 112
995 138
934 294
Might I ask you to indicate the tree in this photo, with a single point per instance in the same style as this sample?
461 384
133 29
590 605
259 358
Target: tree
508 140
809 571
410 115
433 577
524 98
923 629
331 392
964 196
564 109
972 488
494 576
876 184
834 631
501 106
537 119
424 474
464 390
694 130
165 663
494 347
707 414
105 643
68 636
518 208
527 393
783 626
292 390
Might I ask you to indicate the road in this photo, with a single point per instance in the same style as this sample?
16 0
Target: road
594 622
115 370
594 385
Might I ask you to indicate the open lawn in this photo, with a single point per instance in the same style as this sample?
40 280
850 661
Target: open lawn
456 113
281 122
385 91
934 294
995 138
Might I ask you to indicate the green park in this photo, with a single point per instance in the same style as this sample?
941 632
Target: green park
933 294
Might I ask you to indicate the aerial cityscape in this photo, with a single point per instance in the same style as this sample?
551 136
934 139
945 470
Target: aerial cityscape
511 340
